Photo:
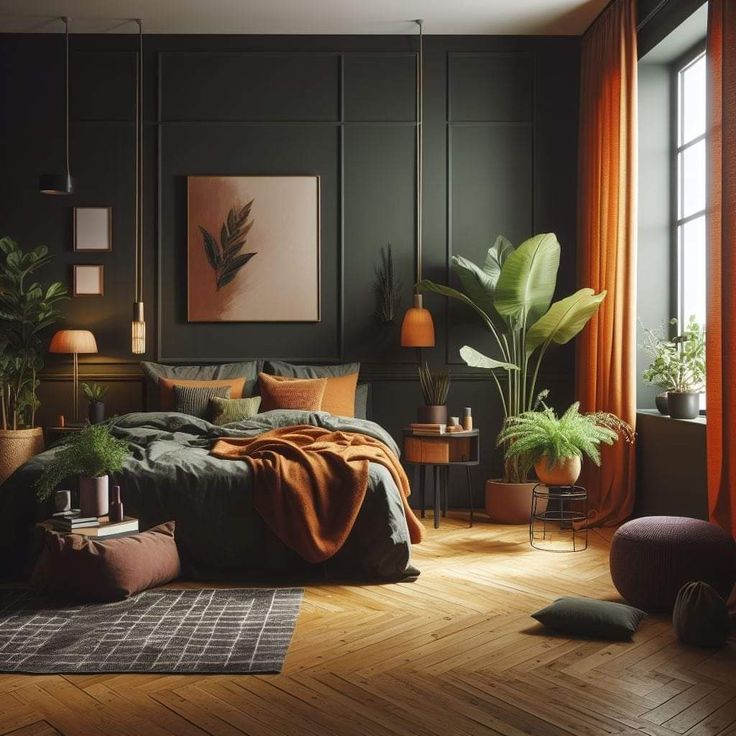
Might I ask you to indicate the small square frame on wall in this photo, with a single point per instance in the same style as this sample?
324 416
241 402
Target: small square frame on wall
88 279
92 229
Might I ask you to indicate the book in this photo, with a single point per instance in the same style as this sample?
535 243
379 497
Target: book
106 528
427 429
68 524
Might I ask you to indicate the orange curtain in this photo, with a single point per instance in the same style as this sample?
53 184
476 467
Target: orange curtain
606 350
721 318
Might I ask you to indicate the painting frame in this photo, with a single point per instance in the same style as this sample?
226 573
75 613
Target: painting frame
314 236
77 279
78 234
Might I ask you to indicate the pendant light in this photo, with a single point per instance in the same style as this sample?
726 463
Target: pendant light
138 325
61 183
417 329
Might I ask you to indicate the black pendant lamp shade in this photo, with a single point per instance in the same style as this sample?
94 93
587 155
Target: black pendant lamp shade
61 183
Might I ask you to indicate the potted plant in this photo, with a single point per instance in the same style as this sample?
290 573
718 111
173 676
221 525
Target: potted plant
512 294
27 310
555 446
678 365
95 393
435 387
92 454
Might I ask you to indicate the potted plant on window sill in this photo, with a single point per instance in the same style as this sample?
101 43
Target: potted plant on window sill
512 294
27 310
92 454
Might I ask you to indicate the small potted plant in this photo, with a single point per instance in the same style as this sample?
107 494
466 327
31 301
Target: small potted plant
555 446
435 387
95 393
92 454
678 365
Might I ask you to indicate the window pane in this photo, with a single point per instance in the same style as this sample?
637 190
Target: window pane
692 273
693 101
692 183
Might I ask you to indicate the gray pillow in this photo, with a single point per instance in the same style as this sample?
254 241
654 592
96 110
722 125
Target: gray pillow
589 617
290 370
362 400
195 400
153 371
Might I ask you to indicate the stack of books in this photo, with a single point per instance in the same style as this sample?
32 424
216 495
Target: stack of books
427 429
72 522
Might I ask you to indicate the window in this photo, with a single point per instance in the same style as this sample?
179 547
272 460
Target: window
690 192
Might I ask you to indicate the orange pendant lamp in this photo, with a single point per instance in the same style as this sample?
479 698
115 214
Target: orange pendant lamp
417 329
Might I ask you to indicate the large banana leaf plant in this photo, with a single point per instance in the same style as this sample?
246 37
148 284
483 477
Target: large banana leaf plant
512 294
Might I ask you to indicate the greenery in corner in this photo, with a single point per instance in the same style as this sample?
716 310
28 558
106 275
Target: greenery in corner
512 294
94 392
225 257
677 364
91 453
27 310
533 435
387 288
435 385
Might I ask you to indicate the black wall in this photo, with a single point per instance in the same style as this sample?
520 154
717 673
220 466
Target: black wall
500 157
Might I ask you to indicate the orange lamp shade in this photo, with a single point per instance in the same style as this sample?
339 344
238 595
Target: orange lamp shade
417 329
73 341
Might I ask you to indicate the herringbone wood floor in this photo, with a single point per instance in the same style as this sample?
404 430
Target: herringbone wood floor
453 653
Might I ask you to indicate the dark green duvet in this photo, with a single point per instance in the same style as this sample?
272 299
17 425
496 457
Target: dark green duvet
171 475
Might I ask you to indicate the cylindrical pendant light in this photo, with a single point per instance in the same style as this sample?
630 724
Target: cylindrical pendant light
138 325
61 183
417 328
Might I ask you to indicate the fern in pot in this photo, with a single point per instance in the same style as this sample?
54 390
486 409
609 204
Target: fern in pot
435 386
555 446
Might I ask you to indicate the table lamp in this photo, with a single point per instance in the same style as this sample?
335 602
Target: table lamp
74 342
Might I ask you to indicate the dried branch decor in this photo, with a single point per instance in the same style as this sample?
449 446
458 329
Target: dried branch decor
226 258
388 289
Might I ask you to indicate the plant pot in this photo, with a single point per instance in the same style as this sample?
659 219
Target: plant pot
563 473
17 446
94 497
432 414
509 503
660 401
683 404
96 412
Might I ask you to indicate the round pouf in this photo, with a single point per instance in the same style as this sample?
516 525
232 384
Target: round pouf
653 557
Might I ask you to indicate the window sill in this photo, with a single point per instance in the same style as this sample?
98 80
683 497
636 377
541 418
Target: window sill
654 413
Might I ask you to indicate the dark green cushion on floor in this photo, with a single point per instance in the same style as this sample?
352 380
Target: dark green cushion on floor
589 617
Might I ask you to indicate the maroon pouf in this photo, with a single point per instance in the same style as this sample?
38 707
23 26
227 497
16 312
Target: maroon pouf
653 557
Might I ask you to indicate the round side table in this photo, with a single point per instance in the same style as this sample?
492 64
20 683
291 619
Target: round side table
558 508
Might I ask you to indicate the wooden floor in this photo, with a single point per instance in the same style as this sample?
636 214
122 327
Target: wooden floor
453 653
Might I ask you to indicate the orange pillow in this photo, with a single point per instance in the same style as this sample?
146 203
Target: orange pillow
302 393
166 388
339 398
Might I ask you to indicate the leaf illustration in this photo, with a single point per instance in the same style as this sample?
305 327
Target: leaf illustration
210 248
230 271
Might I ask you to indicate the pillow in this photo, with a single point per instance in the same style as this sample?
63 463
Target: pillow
290 370
224 411
589 617
168 399
154 371
700 616
339 398
80 568
362 399
195 400
297 394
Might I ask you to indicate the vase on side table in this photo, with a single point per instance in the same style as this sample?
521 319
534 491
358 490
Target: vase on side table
94 499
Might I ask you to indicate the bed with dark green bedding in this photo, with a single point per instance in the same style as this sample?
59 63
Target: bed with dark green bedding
170 474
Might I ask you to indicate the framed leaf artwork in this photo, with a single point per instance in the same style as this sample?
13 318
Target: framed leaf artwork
253 249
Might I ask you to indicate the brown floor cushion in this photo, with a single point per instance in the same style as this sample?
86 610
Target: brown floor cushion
81 568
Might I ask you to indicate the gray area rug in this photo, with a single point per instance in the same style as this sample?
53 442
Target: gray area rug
236 630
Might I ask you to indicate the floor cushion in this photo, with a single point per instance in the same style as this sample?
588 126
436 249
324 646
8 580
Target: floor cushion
701 616
590 617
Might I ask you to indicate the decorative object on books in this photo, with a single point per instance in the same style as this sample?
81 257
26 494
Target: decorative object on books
247 261
63 501
555 446
92 229
388 289
116 505
92 454
678 366
73 342
453 422
512 294
226 630
435 386
700 616
27 309
95 393
88 279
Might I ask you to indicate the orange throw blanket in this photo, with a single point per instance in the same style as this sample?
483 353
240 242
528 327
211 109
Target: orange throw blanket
309 483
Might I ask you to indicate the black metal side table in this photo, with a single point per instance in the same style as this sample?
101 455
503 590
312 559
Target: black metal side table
558 508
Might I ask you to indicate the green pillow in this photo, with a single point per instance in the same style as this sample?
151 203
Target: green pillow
589 617
224 411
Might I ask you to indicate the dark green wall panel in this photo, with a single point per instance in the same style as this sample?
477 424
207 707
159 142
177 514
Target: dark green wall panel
380 87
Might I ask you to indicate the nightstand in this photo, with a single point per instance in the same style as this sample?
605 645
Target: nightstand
54 434
440 452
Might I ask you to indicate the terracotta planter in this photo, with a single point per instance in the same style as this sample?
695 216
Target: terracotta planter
94 497
432 414
563 473
509 503
683 404
18 446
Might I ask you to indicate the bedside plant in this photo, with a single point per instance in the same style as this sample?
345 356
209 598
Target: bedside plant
95 393
92 454
555 446
435 387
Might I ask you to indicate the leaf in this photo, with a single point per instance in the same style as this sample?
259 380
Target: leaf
230 271
210 248
528 278
476 359
496 257
476 283
426 285
564 319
